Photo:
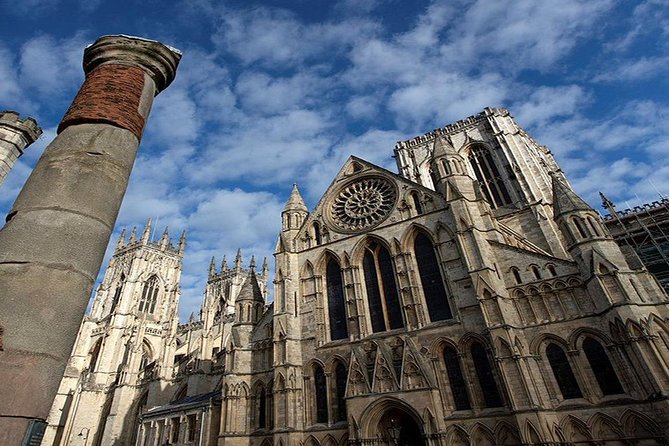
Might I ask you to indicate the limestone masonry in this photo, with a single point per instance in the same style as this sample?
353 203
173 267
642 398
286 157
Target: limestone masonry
472 299
16 135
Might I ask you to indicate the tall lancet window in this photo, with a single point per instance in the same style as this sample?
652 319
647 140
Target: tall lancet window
147 304
117 293
489 177
336 306
485 375
601 366
320 395
382 296
563 373
430 277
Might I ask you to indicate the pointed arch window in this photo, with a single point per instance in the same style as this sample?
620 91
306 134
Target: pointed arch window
382 296
340 381
430 277
488 176
485 375
317 233
415 201
320 395
601 366
94 356
336 305
456 379
147 303
117 293
563 373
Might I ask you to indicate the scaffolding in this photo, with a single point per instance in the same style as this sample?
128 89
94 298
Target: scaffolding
645 229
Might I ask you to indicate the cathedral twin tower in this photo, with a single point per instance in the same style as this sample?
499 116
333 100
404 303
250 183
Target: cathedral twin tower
473 298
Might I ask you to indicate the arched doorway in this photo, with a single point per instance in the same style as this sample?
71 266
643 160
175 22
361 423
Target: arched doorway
399 428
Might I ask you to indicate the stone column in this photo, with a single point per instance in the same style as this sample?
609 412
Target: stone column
15 135
55 235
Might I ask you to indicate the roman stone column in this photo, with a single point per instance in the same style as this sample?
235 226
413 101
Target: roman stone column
55 235
15 135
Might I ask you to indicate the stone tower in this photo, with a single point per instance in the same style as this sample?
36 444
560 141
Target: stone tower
15 135
128 338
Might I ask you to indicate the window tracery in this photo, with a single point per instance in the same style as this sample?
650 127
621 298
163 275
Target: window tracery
336 304
488 175
147 303
382 296
563 373
430 277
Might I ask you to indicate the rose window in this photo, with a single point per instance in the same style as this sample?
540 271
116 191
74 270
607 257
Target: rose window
363 204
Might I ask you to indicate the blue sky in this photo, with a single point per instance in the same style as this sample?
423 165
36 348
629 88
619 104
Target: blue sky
274 92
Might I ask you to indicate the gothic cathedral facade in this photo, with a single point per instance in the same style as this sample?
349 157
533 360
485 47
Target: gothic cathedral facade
472 299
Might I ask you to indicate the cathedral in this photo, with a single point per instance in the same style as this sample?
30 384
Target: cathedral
472 298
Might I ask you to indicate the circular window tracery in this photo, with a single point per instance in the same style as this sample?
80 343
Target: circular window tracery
363 204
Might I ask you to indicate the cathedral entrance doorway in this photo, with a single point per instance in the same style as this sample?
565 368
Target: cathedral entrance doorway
392 422
398 428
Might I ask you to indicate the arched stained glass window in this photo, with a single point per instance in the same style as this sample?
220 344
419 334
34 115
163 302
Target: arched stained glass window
320 395
430 277
602 368
340 381
488 175
563 373
147 303
485 376
455 379
382 296
336 305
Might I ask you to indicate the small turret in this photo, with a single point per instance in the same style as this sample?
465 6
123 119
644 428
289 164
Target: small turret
294 212
249 303
252 265
448 171
224 264
265 269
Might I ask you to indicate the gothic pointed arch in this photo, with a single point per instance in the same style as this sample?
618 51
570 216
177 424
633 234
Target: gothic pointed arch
149 297
457 436
488 175
456 378
506 434
601 367
562 371
482 436
320 394
431 279
335 297
485 375
383 298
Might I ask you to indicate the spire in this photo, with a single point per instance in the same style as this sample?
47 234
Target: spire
224 263
238 260
212 267
147 232
565 199
252 265
250 289
133 235
182 242
121 240
191 319
443 147
164 240
295 202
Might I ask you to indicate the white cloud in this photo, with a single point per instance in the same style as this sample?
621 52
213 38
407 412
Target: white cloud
547 103
636 69
53 67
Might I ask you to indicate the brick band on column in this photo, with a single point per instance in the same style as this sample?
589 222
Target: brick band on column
111 94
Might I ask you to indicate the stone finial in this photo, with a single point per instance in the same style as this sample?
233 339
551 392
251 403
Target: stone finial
224 263
212 267
147 232
164 240
133 235
238 260
121 240
252 265
182 242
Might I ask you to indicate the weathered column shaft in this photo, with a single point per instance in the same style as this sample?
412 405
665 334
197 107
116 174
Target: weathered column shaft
15 135
53 243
